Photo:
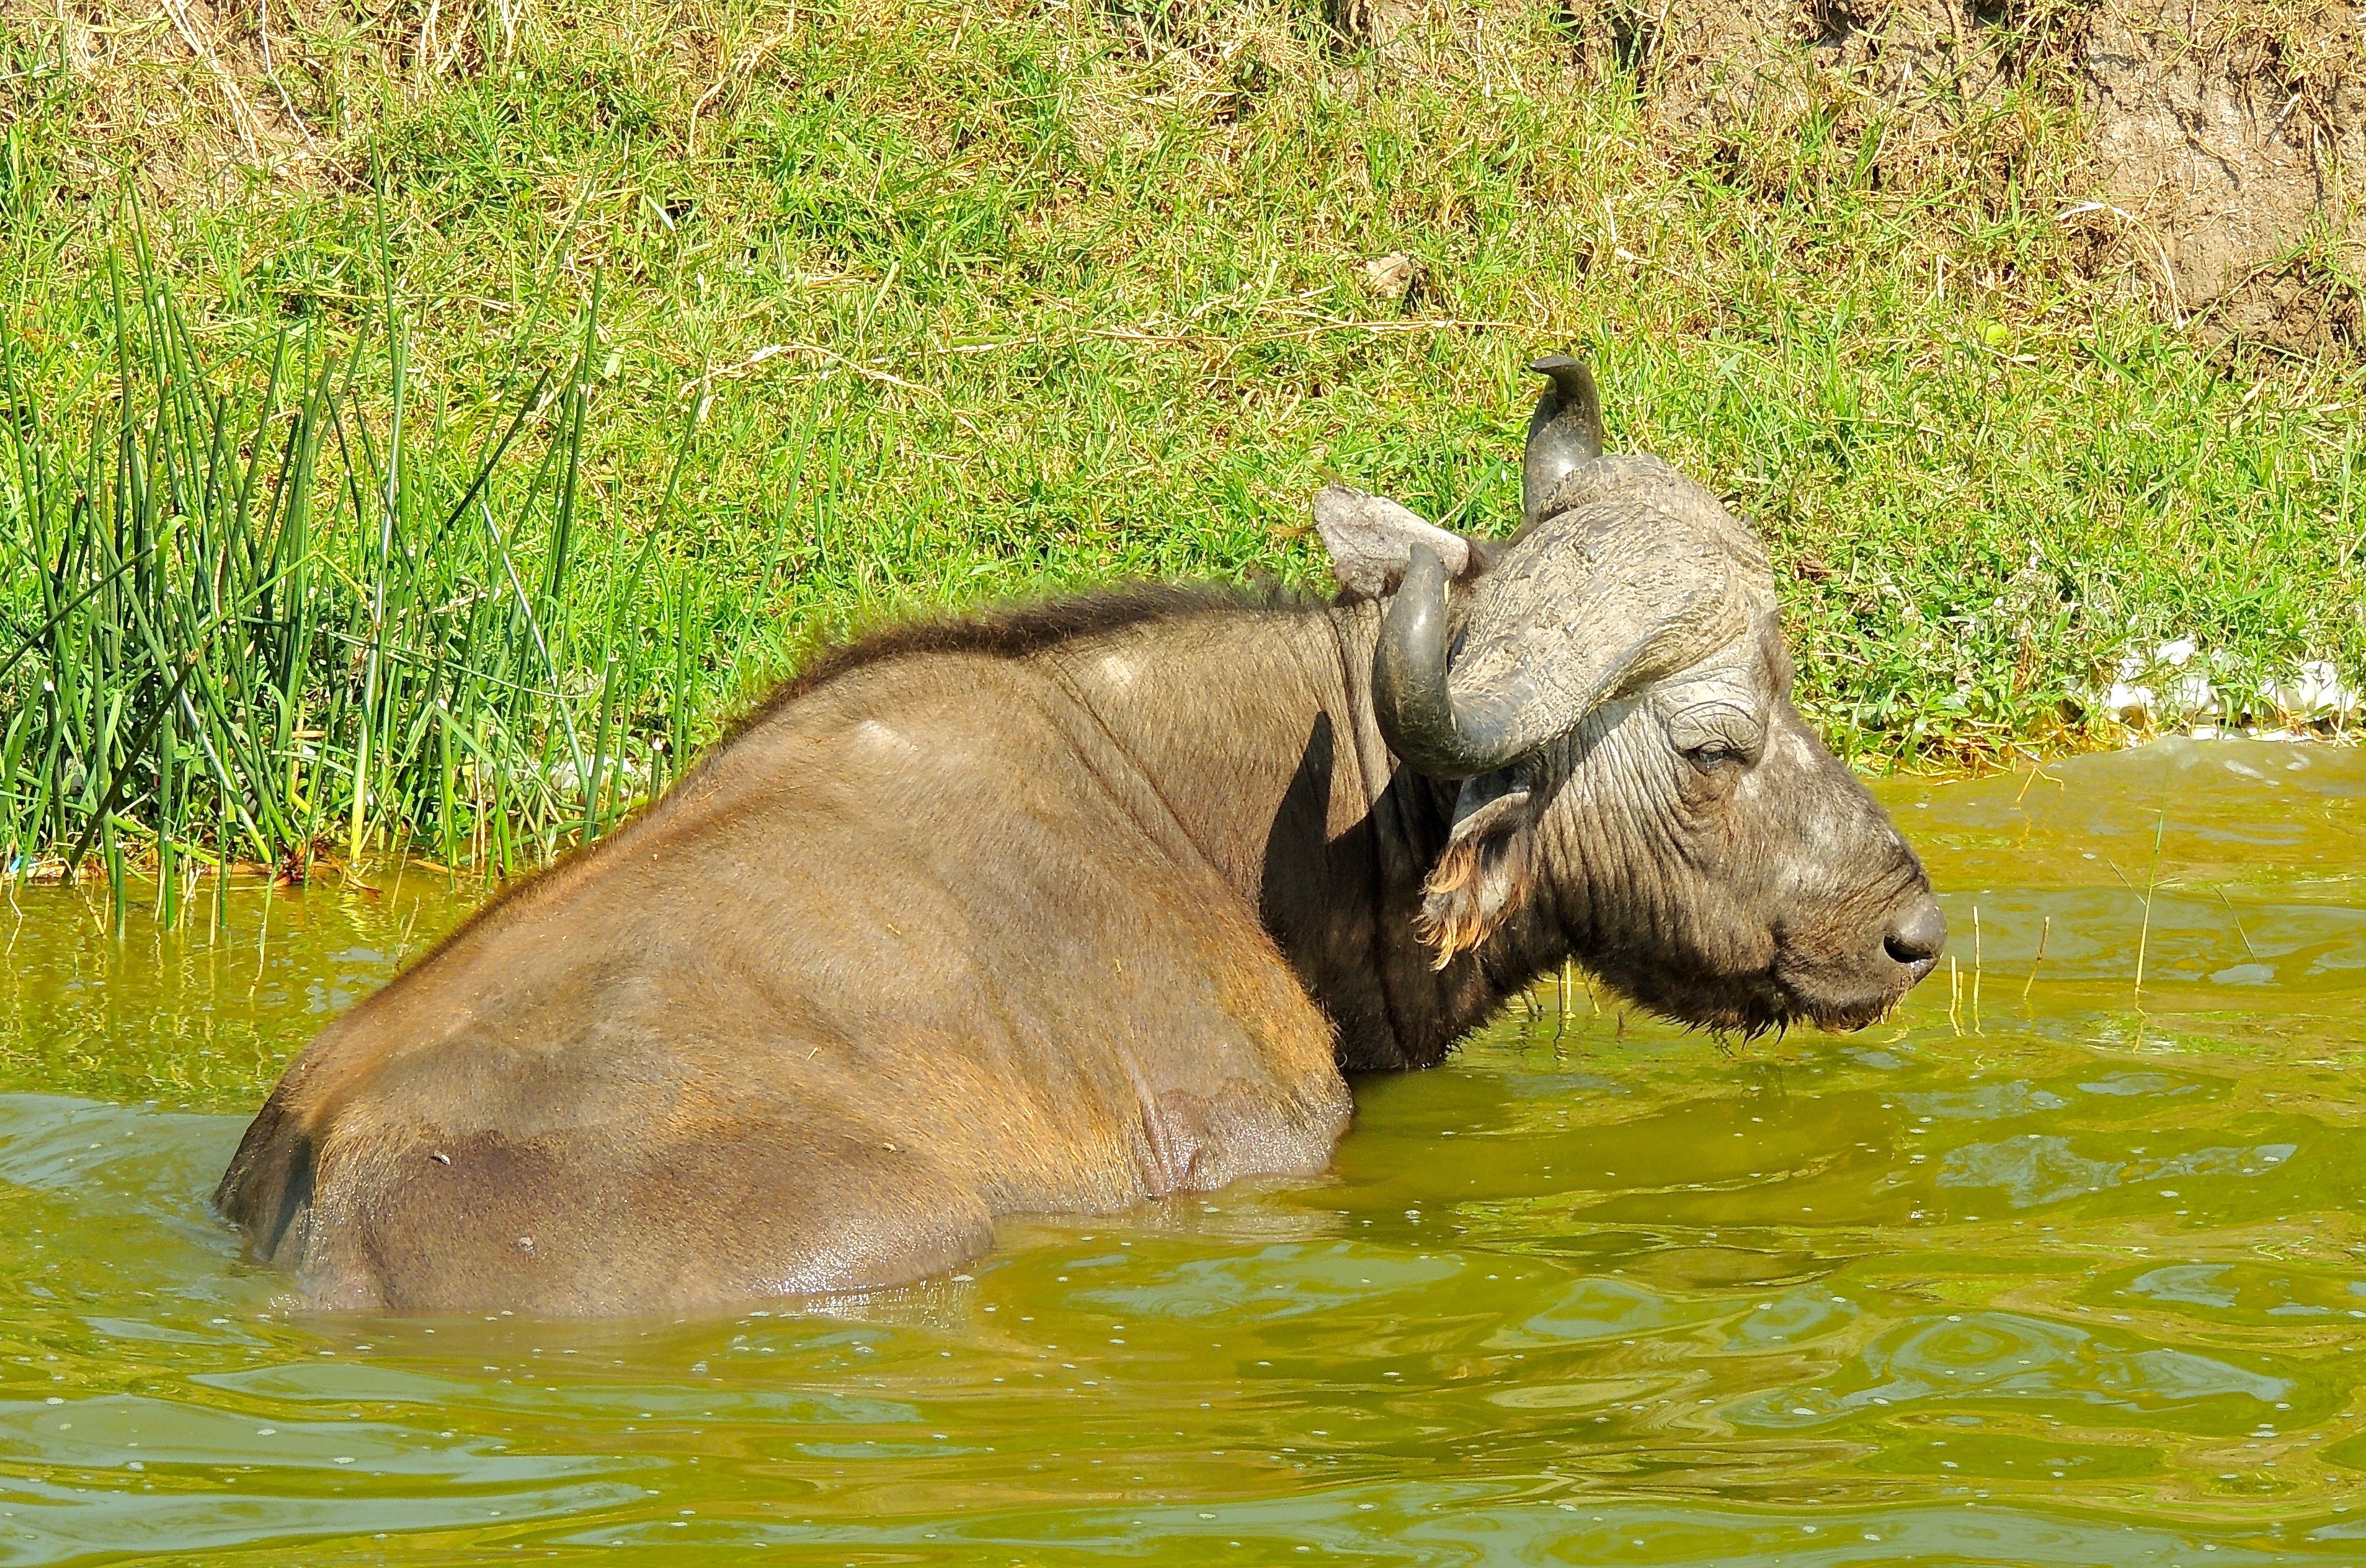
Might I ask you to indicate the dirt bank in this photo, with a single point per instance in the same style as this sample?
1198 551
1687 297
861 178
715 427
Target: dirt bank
2225 141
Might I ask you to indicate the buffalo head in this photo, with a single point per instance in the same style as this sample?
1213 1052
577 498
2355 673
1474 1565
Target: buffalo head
1609 696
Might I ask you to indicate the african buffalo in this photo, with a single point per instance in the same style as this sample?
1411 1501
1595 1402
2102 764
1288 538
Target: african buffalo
1072 906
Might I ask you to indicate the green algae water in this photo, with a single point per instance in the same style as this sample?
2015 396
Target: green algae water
2050 1268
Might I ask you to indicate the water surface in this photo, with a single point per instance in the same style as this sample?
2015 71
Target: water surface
2056 1272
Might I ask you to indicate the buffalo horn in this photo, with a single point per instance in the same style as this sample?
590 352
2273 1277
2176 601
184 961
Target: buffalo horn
1631 578
1439 734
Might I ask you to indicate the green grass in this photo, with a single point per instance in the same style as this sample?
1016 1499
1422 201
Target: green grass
276 608
944 305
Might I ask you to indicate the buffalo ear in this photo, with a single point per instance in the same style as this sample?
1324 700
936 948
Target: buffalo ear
1370 540
1485 871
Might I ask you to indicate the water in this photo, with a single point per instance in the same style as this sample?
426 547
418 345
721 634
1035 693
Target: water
2076 1279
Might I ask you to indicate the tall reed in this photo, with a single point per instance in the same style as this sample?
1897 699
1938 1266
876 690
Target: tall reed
266 606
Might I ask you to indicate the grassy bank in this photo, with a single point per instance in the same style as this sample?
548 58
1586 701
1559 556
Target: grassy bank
498 395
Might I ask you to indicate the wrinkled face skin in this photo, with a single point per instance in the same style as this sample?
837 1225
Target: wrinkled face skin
1716 863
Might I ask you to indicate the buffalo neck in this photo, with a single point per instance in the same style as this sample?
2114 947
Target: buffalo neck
1253 736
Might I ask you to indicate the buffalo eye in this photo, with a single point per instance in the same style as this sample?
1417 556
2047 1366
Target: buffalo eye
1717 736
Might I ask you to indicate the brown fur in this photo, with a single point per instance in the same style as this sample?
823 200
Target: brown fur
945 931
1009 632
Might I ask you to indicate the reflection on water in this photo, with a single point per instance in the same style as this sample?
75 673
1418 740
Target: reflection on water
2046 1272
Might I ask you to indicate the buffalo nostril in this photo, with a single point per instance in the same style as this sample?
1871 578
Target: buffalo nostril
1917 933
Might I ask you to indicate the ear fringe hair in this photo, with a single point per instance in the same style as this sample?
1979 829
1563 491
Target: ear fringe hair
1451 920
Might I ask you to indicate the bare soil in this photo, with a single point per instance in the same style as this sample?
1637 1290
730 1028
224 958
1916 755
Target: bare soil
2224 140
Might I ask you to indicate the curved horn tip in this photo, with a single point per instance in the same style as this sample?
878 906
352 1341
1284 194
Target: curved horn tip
1564 433
1572 378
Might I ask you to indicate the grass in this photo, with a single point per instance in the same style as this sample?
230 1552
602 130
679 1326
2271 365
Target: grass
275 611
434 436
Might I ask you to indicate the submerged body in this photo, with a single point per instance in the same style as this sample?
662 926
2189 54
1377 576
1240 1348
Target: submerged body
1084 906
